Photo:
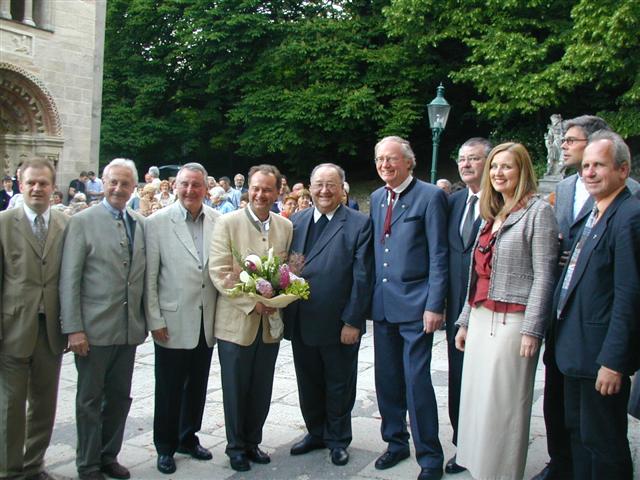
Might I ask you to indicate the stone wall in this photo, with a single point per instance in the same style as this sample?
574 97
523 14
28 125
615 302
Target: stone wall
51 83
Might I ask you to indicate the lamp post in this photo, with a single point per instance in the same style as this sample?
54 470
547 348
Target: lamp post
438 114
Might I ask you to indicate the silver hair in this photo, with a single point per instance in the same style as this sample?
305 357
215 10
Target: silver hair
620 150
154 171
337 168
217 192
472 142
404 144
194 167
122 162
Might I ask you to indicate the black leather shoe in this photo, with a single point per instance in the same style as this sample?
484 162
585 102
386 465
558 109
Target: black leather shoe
198 452
390 459
453 467
339 456
258 456
166 464
430 474
306 445
115 470
240 462
554 471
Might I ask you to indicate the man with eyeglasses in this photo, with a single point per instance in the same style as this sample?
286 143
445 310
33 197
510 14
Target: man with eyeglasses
464 221
573 205
410 252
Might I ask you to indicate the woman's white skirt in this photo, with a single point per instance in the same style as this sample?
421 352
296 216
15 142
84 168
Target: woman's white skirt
495 398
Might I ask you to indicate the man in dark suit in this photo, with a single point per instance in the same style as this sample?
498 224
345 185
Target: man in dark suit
597 300
464 221
410 245
572 207
31 343
325 330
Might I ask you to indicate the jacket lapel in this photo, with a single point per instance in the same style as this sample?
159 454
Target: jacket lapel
55 228
182 232
25 229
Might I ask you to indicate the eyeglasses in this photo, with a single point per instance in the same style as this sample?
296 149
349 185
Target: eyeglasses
470 158
332 187
393 160
571 140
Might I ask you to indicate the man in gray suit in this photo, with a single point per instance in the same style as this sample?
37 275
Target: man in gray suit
573 204
31 343
181 319
101 287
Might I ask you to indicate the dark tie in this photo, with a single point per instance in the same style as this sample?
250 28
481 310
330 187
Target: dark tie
315 232
467 226
386 231
126 231
40 230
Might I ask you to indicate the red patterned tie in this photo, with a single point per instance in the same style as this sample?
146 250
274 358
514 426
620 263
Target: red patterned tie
387 219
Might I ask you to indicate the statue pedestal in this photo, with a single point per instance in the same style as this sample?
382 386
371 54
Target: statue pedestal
547 184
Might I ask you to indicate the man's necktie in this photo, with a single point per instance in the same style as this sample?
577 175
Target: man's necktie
386 231
315 232
467 226
40 230
586 231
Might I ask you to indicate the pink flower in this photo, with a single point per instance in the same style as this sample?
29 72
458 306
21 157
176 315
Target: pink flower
264 288
284 276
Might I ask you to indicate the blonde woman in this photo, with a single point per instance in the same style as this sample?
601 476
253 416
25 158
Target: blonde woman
501 326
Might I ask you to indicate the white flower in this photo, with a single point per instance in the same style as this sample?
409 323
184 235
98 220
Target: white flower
255 260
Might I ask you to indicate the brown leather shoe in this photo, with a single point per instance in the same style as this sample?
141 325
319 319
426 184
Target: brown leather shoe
115 470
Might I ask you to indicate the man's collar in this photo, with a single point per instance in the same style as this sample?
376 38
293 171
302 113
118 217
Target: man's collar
113 211
255 217
604 203
31 214
471 194
186 214
317 213
403 186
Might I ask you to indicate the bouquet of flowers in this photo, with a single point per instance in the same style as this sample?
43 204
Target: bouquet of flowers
270 281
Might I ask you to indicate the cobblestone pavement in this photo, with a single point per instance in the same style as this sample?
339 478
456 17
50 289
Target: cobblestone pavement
284 426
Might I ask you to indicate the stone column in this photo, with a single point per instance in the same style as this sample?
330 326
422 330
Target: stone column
42 15
5 9
28 13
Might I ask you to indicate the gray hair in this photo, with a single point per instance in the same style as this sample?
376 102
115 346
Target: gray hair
154 171
587 123
122 162
194 167
620 150
337 168
217 192
472 142
404 144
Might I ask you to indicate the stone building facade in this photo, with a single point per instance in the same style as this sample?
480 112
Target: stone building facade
51 56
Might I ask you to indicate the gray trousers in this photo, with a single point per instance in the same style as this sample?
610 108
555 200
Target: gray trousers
247 381
28 396
102 404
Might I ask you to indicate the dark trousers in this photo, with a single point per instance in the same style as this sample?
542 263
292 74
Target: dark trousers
455 358
102 404
558 437
181 390
247 381
403 383
326 378
598 426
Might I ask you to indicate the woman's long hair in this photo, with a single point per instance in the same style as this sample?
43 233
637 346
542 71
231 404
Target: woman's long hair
492 204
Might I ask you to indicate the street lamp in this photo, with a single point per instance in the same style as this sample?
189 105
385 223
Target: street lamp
438 114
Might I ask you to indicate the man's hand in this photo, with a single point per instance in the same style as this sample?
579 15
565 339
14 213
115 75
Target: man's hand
349 335
432 321
78 344
608 381
461 338
262 309
160 335
529 346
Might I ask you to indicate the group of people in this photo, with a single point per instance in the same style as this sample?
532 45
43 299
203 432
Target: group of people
486 260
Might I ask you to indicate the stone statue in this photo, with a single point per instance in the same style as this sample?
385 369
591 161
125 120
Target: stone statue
553 141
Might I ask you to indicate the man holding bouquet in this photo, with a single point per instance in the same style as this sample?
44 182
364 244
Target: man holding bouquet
325 331
246 348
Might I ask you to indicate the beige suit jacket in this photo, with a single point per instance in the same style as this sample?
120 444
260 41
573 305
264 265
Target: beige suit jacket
179 290
29 274
100 293
234 321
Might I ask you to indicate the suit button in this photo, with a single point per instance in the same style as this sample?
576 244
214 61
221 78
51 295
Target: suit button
199 267
385 264
386 235
125 263
125 302
264 239
44 262
384 280
122 244
386 250
203 285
